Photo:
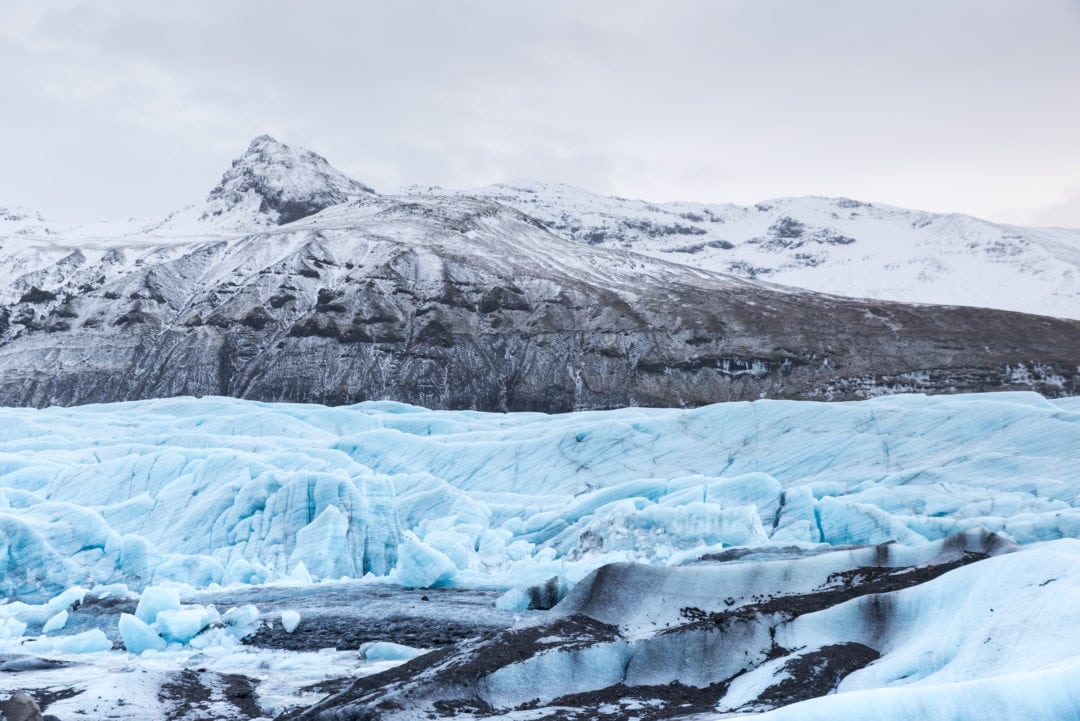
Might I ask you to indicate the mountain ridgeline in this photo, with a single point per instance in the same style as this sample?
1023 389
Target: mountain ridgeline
292 282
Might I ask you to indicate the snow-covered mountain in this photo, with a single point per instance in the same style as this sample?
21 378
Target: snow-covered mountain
292 282
22 221
832 245
270 184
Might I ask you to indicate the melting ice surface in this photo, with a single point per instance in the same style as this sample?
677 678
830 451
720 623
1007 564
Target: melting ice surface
165 497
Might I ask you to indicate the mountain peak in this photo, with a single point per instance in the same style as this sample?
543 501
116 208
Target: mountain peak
263 140
278 184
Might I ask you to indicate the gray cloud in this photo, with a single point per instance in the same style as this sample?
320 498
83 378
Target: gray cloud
117 107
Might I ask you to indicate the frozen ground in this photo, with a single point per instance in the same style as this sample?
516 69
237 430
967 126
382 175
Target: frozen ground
345 630
191 558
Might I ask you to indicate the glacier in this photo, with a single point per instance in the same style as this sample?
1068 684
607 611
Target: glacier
216 491
907 553
963 628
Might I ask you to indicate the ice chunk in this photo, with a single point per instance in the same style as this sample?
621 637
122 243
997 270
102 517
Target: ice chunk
113 590
420 565
454 541
12 628
540 597
71 597
241 570
516 599
387 651
55 623
86 642
154 600
241 615
290 620
180 626
138 636
300 574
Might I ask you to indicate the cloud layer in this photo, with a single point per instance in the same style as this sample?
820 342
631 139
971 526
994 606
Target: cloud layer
121 107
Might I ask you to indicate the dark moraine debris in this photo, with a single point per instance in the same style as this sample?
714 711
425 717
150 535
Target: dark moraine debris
810 674
545 596
615 649
201 694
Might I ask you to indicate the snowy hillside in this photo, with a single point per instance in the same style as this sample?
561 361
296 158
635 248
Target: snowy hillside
290 282
832 245
21 221
115 516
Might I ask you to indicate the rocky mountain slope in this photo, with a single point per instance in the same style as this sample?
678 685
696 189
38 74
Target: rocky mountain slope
833 245
292 282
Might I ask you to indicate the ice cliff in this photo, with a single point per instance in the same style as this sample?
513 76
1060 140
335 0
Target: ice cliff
219 490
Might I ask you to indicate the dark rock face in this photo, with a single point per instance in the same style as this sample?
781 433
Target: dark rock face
454 303
21 707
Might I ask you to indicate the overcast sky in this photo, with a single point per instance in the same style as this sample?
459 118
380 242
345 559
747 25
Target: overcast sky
114 108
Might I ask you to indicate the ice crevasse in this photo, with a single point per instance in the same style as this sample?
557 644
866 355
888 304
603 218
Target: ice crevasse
218 491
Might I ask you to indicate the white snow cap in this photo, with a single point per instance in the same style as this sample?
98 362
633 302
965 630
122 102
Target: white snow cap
281 183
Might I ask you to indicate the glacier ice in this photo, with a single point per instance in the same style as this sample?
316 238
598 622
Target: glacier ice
564 672
290 620
138 636
542 596
172 497
387 651
420 565
92 641
66 599
222 491
183 624
55 623
241 620
759 628
12 628
988 640
1050 694
154 600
